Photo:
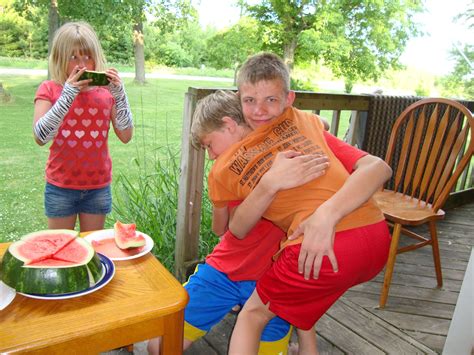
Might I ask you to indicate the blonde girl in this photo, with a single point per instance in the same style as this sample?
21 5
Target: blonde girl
76 117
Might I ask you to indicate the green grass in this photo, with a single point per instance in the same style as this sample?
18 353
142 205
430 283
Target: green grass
157 108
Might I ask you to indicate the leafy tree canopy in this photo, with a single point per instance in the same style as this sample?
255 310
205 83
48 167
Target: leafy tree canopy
460 82
356 39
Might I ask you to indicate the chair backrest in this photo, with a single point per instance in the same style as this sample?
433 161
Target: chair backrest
430 145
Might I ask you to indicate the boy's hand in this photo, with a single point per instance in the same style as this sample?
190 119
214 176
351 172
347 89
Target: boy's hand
318 241
291 169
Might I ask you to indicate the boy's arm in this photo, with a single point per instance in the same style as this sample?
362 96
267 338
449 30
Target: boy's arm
369 174
290 169
220 220
254 206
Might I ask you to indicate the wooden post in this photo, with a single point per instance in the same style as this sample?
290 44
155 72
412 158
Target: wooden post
190 196
356 131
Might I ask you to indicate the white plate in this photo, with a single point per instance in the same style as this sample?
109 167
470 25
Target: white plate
108 272
7 294
109 233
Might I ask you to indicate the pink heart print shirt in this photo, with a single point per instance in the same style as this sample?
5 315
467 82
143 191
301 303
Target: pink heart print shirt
79 156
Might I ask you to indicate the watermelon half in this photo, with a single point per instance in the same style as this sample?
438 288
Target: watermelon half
126 236
51 262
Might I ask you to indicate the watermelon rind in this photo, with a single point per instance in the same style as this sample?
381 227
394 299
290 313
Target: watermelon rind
42 280
98 78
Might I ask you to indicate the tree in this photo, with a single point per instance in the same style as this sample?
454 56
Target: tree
53 22
229 48
460 82
115 17
177 39
21 36
356 39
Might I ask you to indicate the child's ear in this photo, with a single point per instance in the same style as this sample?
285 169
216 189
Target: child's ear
290 98
229 122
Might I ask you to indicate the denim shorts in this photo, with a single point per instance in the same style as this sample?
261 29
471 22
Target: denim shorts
61 202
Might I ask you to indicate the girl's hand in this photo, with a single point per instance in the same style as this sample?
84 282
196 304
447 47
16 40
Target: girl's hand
318 241
73 78
113 76
291 169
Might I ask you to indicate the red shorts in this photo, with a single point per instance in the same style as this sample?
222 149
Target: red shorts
361 254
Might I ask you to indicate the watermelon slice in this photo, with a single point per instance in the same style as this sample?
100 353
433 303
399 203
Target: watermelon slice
98 78
126 236
51 262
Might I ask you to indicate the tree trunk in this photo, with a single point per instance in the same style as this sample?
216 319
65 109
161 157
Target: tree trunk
289 53
53 25
139 49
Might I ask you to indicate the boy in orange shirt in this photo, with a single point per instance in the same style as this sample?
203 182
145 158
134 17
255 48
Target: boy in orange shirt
335 212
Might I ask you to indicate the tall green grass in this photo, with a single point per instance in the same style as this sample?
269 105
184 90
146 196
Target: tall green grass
157 108
150 201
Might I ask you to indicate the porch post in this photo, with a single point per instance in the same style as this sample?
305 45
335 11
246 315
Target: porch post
188 216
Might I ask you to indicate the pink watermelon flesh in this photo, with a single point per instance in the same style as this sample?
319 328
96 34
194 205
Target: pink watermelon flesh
74 252
41 247
126 236
52 262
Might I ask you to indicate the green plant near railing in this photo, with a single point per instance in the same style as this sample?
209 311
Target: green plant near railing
150 199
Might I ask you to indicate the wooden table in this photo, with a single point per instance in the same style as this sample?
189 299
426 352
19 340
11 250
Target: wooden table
142 301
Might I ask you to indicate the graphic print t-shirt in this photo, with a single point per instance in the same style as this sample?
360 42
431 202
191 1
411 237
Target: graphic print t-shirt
79 155
236 172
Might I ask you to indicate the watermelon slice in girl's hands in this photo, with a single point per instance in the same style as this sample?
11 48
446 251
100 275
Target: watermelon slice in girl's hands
126 236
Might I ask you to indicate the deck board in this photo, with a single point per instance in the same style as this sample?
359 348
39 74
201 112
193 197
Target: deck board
417 316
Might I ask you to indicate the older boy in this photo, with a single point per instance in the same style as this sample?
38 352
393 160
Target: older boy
334 210
217 125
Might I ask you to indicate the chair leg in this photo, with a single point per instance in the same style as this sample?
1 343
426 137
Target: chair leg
390 264
436 255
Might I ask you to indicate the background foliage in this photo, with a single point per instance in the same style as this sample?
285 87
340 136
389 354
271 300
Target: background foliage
357 41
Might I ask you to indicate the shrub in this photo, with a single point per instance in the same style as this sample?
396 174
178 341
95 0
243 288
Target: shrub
150 200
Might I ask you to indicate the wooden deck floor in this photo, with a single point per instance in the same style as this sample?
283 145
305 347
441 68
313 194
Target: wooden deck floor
417 316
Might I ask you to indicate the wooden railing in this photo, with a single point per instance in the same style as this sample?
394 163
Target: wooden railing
371 118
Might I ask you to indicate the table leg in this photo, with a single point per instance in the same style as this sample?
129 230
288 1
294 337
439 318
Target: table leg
172 339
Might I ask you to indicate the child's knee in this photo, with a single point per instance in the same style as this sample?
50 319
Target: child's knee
256 313
153 346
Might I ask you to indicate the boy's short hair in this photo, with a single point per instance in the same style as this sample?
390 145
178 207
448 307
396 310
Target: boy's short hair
209 112
264 67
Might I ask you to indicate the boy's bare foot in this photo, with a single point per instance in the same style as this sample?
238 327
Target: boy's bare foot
236 308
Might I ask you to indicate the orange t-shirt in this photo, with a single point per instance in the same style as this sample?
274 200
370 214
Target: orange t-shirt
236 172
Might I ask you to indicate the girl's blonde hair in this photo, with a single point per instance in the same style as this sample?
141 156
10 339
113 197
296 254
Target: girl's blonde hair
210 111
68 38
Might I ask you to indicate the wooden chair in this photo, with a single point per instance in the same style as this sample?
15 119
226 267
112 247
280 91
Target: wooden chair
430 145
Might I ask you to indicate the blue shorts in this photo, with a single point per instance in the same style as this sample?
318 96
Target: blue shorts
61 202
212 295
